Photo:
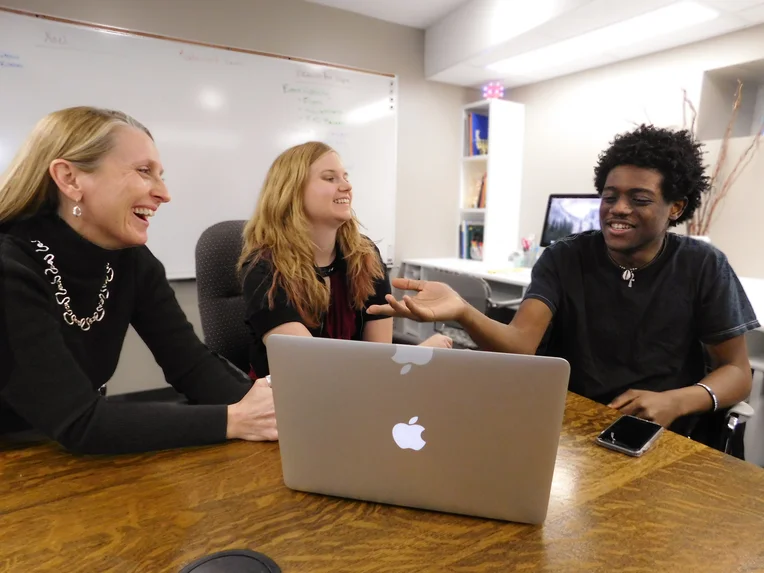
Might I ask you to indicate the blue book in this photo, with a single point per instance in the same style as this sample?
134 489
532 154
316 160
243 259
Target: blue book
479 134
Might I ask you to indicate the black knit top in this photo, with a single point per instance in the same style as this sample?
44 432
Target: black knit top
51 368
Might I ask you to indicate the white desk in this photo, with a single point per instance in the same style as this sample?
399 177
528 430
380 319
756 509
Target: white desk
519 277
505 284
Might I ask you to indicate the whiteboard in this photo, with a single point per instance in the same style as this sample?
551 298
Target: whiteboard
219 118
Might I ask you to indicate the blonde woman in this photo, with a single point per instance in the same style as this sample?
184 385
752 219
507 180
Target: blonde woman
75 207
308 270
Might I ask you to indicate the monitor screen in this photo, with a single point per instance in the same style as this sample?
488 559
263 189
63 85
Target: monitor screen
568 215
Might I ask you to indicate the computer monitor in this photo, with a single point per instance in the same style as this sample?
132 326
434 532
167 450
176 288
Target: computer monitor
568 215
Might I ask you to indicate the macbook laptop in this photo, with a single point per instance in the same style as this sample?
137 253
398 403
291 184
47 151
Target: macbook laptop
457 431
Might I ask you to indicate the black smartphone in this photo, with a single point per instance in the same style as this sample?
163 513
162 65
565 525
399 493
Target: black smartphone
630 435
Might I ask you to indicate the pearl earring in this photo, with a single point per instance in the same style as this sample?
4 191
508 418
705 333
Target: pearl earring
76 210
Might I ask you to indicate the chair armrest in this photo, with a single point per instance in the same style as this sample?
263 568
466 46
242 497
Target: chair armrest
736 415
743 410
511 303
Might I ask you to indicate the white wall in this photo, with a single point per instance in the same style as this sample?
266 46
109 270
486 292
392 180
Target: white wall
570 120
429 134
758 111
738 229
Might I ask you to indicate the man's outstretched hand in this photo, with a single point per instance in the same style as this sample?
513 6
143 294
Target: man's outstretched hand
433 302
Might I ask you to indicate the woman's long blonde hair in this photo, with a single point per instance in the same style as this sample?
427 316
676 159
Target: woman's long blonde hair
81 135
279 233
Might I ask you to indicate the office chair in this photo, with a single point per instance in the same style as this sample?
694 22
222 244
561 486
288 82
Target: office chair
724 429
221 304
740 413
476 292
755 343
754 440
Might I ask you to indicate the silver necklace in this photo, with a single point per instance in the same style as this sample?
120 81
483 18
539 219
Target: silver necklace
62 297
628 273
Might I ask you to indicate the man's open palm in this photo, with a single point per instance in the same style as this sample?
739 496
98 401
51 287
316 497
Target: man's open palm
433 302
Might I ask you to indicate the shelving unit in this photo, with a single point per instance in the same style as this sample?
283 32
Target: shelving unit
717 99
498 171
476 158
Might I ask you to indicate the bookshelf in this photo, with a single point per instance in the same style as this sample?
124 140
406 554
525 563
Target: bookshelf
491 180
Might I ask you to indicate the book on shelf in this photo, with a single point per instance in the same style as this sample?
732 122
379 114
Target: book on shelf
483 191
471 241
476 197
477 193
477 126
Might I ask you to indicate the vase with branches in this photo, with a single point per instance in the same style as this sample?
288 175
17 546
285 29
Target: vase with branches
722 177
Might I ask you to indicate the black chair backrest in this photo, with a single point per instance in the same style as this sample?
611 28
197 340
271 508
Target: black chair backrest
218 284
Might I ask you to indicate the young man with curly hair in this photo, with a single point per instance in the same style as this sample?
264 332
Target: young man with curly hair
651 322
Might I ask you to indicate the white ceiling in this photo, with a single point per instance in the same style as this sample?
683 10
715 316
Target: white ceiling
416 13
464 36
567 19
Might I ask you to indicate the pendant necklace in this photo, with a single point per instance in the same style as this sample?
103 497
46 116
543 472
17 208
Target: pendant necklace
325 271
629 273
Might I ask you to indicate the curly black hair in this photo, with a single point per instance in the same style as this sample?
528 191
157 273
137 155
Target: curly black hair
675 154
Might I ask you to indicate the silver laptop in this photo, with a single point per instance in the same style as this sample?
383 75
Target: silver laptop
457 431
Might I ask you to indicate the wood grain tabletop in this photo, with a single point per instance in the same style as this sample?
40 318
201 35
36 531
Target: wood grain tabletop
681 507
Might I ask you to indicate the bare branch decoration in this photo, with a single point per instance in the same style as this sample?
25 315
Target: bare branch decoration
722 179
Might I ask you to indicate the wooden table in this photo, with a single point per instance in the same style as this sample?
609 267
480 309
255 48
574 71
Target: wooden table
681 507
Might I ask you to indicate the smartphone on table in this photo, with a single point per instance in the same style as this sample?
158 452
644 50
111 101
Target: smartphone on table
630 435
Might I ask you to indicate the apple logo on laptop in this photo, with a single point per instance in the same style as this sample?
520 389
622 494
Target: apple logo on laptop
408 355
409 436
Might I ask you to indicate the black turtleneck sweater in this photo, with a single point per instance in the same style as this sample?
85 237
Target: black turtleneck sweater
50 371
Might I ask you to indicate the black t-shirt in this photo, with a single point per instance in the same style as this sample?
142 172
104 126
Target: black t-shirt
647 336
260 318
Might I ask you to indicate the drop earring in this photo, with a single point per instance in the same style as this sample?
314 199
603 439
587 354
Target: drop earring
76 210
